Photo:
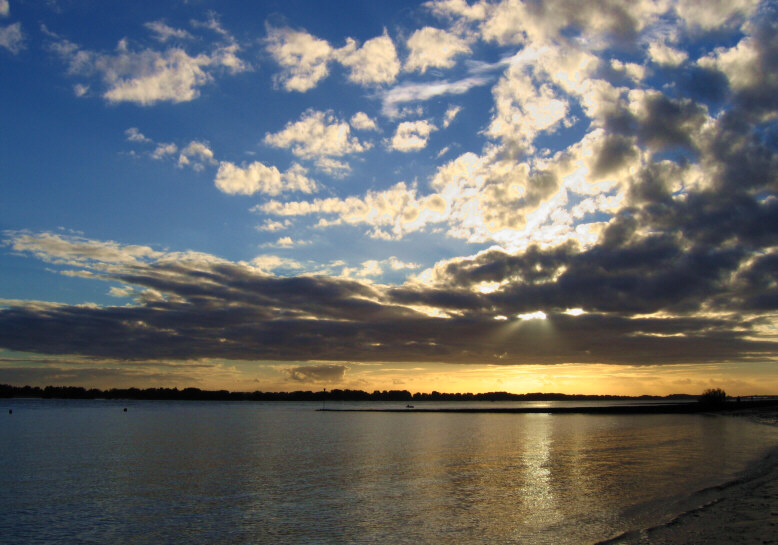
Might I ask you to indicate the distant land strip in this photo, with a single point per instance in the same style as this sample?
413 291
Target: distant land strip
196 394
670 404
648 408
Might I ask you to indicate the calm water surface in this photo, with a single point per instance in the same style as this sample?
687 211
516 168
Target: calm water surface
212 472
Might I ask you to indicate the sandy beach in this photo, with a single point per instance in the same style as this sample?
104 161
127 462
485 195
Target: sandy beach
743 512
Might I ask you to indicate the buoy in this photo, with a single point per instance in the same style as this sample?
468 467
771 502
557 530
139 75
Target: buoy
10 411
125 409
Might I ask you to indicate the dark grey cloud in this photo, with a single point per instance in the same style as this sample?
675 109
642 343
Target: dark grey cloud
317 373
106 376
762 96
664 122
703 85
671 122
237 316
615 152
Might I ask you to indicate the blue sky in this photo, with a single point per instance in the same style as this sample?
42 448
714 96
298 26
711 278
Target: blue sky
444 195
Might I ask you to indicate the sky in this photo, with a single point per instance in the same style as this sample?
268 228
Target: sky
499 195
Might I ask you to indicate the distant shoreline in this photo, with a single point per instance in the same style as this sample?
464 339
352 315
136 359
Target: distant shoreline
196 394
672 404
657 408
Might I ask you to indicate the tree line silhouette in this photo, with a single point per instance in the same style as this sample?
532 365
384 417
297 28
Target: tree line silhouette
196 394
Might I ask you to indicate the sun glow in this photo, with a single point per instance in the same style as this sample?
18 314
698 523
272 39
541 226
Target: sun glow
488 287
538 315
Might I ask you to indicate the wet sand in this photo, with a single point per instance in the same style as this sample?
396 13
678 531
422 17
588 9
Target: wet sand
743 512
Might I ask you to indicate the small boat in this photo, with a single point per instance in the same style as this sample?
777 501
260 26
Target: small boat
409 406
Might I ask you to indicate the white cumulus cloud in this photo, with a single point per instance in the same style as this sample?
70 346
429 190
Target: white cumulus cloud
374 63
333 167
148 76
315 135
164 149
662 53
269 262
302 56
197 155
260 178
363 122
433 48
412 135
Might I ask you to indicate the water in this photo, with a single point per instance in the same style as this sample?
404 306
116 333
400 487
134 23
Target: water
211 472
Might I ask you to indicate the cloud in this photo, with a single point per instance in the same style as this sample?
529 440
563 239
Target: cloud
374 267
148 76
450 115
69 250
124 291
641 295
398 208
272 225
412 135
164 149
196 155
260 178
153 76
134 135
317 135
163 32
417 92
283 242
268 263
433 48
497 198
458 8
653 212
213 24
12 38
302 57
317 373
600 22
750 67
524 108
398 265
305 59
333 167
286 242
374 63
662 53
363 122
715 13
